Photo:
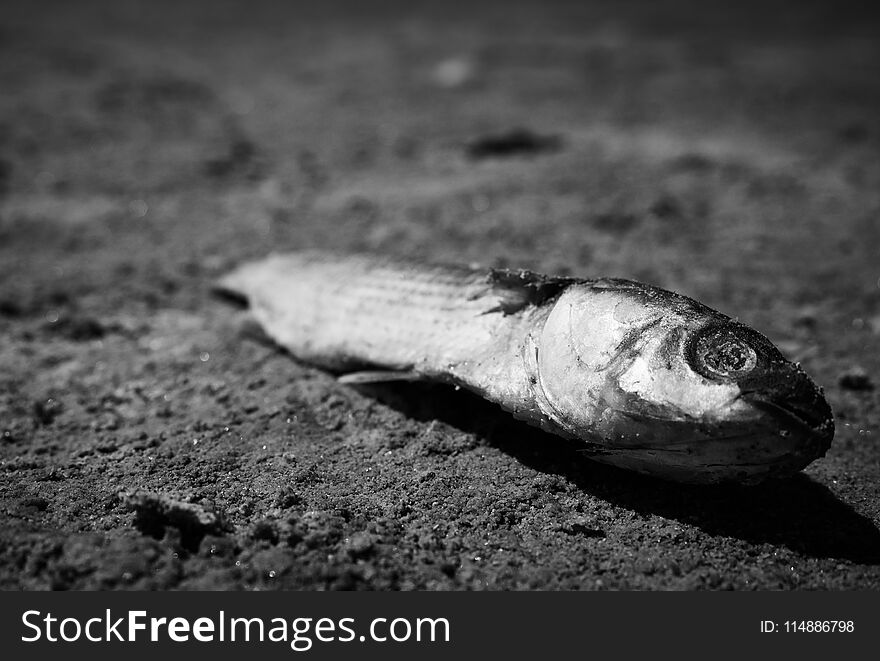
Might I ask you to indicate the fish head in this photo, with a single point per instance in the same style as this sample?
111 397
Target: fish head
659 383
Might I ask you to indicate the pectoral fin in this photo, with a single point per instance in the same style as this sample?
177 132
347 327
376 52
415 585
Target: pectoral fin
516 290
379 376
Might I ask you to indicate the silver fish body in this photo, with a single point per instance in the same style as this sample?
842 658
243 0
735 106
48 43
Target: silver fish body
646 379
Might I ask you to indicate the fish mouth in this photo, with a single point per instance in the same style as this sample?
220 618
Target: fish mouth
812 421
772 434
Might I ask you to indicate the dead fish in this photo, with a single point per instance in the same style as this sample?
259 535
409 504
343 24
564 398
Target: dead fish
644 378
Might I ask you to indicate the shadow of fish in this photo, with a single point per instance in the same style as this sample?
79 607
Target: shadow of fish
644 378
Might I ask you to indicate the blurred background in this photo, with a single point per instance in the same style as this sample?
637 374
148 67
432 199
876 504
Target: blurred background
728 151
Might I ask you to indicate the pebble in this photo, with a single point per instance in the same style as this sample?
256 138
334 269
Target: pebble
856 378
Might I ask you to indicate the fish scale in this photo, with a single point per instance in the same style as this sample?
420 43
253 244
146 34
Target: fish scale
338 310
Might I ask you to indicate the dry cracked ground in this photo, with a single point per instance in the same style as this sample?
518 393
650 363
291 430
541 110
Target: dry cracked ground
148 439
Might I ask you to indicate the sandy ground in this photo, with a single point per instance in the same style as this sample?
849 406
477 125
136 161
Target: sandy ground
149 441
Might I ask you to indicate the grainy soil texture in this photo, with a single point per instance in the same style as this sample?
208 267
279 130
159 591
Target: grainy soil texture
149 439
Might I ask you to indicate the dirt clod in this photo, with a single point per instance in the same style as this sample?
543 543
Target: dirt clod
516 142
156 513
856 379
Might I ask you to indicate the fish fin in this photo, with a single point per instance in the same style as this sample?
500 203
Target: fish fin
250 329
379 376
516 290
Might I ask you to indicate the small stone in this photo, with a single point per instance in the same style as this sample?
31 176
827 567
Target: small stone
856 378
46 410
361 545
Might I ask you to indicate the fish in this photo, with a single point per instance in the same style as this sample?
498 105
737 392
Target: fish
640 377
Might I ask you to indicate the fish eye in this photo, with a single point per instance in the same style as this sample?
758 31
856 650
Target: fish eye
720 352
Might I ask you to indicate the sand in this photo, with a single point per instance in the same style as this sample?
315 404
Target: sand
148 439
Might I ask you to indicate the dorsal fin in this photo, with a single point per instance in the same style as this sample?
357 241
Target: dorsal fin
517 290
